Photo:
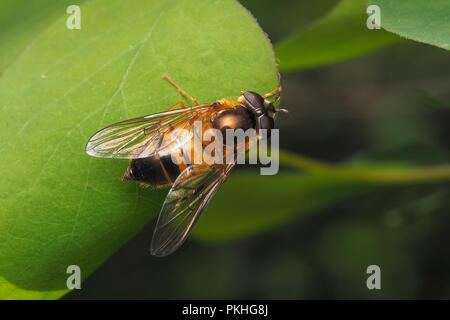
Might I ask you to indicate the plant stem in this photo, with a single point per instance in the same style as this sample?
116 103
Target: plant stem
369 174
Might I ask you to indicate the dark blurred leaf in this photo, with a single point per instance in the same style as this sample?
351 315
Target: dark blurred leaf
433 102
403 131
280 19
340 35
419 20
345 250
249 203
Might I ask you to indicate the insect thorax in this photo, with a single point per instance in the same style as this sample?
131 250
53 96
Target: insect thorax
234 118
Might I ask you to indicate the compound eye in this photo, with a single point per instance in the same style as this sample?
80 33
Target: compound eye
254 99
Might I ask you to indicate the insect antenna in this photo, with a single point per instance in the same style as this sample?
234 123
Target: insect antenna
282 111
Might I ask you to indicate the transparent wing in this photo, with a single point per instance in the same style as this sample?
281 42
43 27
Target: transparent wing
143 137
187 200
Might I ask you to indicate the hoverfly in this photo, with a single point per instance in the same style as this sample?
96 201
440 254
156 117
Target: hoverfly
150 142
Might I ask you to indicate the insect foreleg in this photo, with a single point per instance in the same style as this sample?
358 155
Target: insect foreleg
272 93
184 93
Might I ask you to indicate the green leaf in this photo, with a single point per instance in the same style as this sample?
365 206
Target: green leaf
20 23
419 20
340 35
60 207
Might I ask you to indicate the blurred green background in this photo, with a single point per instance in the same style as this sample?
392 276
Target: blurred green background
388 106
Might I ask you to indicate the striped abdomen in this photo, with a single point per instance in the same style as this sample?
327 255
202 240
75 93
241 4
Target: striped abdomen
157 172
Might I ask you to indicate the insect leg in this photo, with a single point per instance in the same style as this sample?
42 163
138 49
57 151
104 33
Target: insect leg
176 105
272 93
184 93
